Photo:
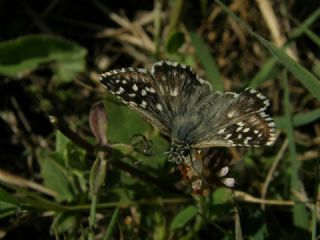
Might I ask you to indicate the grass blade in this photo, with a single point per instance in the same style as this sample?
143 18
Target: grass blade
299 119
207 61
306 24
268 71
314 37
111 225
315 204
300 216
306 78
183 217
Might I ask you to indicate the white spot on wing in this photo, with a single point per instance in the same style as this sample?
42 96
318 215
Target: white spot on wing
241 124
174 92
246 130
239 129
221 131
159 107
150 90
161 89
231 114
228 136
143 104
223 171
229 182
121 90
134 87
252 91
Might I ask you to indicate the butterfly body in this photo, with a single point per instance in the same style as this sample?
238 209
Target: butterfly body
174 99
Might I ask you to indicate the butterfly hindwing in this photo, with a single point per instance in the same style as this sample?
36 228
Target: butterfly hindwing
235 120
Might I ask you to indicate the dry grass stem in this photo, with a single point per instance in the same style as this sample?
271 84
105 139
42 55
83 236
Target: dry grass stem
15 180
272 169
274 26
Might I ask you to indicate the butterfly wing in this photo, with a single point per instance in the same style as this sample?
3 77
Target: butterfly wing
157 95
230 119
179 87
136 88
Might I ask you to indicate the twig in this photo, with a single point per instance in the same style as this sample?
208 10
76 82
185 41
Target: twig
15 180
36 18
21 115
272 169
73 136
249 198
117 163
157 25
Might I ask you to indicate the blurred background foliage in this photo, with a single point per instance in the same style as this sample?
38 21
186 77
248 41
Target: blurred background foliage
54 182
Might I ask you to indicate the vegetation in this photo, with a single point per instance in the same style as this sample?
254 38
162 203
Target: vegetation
73 169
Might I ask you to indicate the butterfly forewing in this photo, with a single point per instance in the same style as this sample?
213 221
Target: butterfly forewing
158 95
136 87
177 80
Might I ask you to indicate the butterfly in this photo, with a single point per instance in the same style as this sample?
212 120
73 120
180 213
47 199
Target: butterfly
171 97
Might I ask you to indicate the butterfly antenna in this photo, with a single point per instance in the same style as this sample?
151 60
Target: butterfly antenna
156 155
152 156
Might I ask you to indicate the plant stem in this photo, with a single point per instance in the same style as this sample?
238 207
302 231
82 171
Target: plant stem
92 219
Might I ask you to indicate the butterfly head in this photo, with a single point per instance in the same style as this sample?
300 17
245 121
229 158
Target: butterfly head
179 152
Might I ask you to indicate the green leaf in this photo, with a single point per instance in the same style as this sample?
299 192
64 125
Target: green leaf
207 61
68 154
27 53
175 41
61 143
8 204
66 70
183 217
64 222
221 196
6 197
123 123
306 78
301 216
56 178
